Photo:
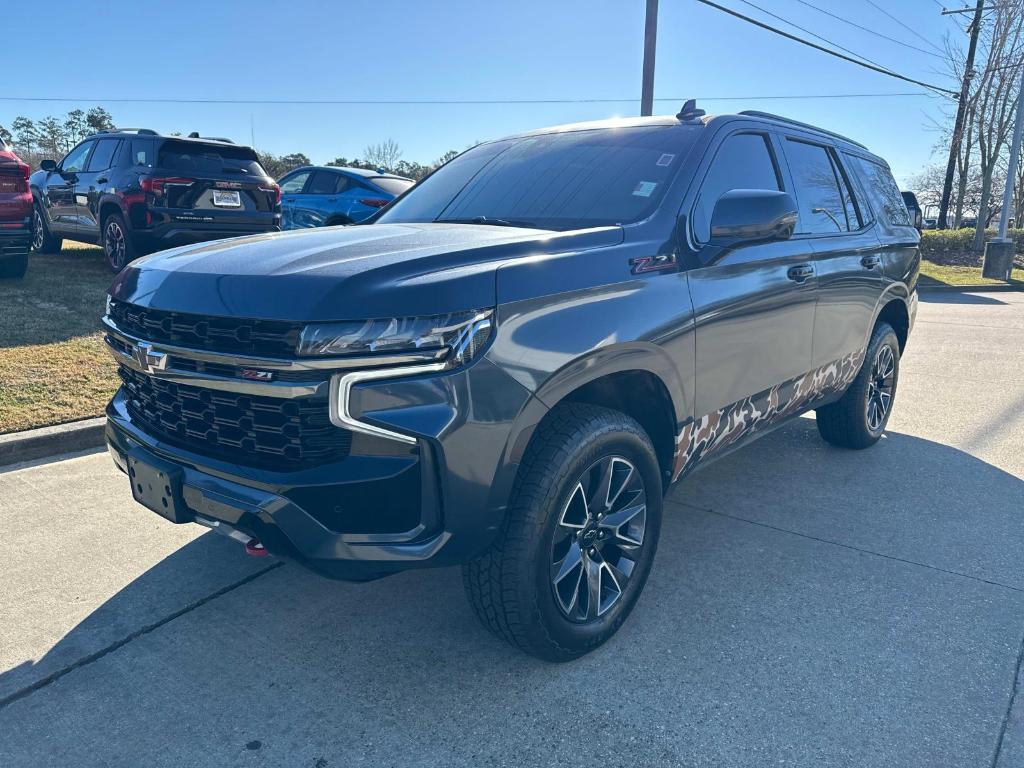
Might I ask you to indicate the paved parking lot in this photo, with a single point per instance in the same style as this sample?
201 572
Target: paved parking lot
809 606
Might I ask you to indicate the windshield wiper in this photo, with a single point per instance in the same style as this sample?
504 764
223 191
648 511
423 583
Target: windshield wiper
489 221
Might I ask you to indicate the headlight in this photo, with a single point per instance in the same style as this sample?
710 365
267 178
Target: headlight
463 333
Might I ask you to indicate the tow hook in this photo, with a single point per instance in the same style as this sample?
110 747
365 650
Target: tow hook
253 546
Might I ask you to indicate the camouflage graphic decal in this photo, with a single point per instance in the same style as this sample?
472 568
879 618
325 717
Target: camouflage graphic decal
724 427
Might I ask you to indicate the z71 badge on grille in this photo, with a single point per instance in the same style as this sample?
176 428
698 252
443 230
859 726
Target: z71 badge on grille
251 373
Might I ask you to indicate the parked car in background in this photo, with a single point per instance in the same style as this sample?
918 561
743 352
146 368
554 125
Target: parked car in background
136 191
508 367
916 214
324 196
15 213
931 223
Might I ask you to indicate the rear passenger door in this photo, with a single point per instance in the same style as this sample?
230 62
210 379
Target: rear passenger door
753 306
847 259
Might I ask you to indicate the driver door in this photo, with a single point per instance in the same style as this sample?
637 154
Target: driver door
753 306
61 208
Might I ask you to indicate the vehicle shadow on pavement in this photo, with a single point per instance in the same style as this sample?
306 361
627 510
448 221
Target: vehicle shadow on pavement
807 605
956 297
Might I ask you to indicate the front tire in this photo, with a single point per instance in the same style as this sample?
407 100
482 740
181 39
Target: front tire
117 243
579 538
42 240
858 419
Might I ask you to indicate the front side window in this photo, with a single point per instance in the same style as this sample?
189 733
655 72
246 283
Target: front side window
560 181
822 209
104 154
292 185
75 160
744 161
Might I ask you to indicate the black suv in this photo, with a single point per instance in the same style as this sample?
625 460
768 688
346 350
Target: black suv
135 191
508 367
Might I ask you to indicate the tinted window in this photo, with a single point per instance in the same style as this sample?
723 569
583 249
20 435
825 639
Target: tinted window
553 181
104 154
75 160
882 191
324 183
391 186
821 204
142 152
193 158
292 185
744 161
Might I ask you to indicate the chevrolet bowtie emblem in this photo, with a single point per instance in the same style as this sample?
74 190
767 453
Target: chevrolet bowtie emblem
149 359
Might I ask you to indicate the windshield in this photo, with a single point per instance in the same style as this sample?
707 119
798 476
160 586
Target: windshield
555 181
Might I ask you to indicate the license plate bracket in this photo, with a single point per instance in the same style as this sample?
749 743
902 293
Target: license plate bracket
227 198
157 485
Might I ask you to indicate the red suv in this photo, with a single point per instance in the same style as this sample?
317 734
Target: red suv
15 213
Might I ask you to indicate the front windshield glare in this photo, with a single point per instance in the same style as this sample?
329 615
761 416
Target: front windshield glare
558 181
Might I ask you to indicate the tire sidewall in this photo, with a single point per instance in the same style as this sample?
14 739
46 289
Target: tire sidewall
883 336
563 632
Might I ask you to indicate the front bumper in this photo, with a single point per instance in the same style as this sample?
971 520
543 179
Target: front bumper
339 519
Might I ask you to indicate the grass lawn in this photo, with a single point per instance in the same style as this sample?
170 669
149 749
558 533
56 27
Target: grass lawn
53 364
933 274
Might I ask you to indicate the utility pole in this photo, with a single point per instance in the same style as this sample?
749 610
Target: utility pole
650 44
961 114
998 261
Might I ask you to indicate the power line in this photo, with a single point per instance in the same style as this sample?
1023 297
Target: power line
910 29
795 38
445 102
809 32
871 31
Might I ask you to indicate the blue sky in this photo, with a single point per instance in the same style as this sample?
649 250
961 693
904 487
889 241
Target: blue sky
462 49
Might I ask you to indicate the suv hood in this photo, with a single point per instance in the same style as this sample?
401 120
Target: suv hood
343 273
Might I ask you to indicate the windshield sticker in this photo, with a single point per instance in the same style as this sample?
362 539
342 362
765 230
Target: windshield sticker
665 160
645 188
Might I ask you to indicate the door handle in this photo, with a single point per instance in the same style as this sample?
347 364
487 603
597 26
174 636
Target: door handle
869 262
800 272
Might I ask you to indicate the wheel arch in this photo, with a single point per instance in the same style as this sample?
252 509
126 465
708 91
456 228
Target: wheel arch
893 309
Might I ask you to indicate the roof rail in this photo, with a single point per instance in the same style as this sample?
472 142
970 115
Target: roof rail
195 135
790 121
140 131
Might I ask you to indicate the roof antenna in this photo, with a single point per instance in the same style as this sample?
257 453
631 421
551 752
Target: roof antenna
195 134
690 111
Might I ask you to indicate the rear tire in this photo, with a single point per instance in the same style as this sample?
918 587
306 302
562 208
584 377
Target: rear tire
579 537
858 419
14 267
42 240
117 243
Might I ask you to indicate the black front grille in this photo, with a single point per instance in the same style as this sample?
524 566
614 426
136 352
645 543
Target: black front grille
266 338
242 429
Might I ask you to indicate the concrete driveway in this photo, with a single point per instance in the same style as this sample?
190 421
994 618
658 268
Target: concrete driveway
809 607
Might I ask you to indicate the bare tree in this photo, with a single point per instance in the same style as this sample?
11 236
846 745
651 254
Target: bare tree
384 154
994 110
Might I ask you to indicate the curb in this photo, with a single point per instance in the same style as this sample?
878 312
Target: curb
44 442
968 288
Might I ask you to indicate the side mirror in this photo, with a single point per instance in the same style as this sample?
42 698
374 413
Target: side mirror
751 215
48 165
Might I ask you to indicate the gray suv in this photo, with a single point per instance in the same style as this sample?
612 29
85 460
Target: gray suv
509 365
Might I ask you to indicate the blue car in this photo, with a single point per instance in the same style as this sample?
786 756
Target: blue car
329 195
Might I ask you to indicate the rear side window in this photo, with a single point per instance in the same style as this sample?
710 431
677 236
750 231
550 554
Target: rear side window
197 159
142 152
825 202
325 183
882 190
744 161
102 158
